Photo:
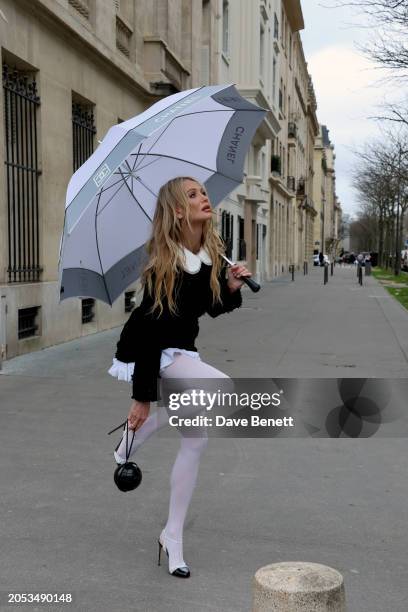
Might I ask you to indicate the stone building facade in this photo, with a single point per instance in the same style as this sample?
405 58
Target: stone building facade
272 214
246 48
71 69
328 207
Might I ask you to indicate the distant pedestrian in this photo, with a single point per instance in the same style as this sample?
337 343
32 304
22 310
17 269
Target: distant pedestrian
321 258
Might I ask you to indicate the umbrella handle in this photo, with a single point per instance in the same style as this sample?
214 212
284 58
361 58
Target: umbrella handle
253 285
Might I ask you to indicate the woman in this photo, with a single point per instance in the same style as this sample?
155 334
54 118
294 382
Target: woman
183 279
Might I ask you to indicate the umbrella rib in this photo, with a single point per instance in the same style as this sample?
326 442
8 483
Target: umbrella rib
112 196
215 171
110 186
148 164
147 188
99 255
138 203
136 156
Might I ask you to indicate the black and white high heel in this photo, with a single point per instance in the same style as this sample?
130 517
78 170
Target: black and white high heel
179 570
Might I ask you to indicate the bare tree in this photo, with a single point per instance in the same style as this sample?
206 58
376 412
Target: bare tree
389 21
381 182
388 48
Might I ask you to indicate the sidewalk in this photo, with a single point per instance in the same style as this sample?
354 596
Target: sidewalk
66 528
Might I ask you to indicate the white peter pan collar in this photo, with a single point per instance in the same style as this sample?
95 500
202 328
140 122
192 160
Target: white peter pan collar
192 261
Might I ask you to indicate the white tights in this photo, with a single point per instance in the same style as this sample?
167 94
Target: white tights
177 378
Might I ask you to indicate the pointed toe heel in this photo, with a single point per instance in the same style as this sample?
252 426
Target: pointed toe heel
183 571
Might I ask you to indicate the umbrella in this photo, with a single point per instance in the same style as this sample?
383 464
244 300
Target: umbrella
204 133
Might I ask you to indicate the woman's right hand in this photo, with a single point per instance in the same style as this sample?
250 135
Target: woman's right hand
138 413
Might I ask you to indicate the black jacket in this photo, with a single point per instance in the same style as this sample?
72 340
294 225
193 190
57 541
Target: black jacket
145 335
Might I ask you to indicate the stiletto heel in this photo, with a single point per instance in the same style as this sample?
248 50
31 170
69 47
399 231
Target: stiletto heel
160 549
183 571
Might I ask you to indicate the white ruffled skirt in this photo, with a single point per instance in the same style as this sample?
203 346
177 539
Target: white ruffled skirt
124 371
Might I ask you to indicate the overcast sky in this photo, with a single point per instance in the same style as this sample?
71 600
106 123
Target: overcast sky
346 84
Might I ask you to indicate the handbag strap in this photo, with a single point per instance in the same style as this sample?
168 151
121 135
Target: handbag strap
131 444
125 425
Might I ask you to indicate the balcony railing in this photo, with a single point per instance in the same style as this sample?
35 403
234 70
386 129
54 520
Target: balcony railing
82 6
123 35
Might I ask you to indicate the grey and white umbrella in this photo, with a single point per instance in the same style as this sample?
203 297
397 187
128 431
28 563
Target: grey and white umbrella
204 133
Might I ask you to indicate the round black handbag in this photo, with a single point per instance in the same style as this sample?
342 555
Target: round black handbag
128 475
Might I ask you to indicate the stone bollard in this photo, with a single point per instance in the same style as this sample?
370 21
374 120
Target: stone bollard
298 587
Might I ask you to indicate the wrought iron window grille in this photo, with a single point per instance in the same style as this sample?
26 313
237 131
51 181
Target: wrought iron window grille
84 130
88 312
21 101
28 322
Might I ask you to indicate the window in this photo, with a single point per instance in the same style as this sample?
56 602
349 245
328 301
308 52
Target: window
83 133
282 26
88 310
227 231
22 172
28 322
274 80
258 239
281 95
225 31
262 52
241 240
290 49
275 27
205 43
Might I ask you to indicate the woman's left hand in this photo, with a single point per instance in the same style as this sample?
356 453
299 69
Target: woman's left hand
235 273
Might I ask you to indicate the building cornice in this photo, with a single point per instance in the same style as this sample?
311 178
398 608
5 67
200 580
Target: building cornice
294 14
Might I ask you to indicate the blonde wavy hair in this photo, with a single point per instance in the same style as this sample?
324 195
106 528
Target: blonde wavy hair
165 256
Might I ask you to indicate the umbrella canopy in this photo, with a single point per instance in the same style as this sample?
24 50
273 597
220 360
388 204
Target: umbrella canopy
203 133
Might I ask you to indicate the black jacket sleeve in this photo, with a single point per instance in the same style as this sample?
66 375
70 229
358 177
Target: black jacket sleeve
146 373
140 343
229 300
